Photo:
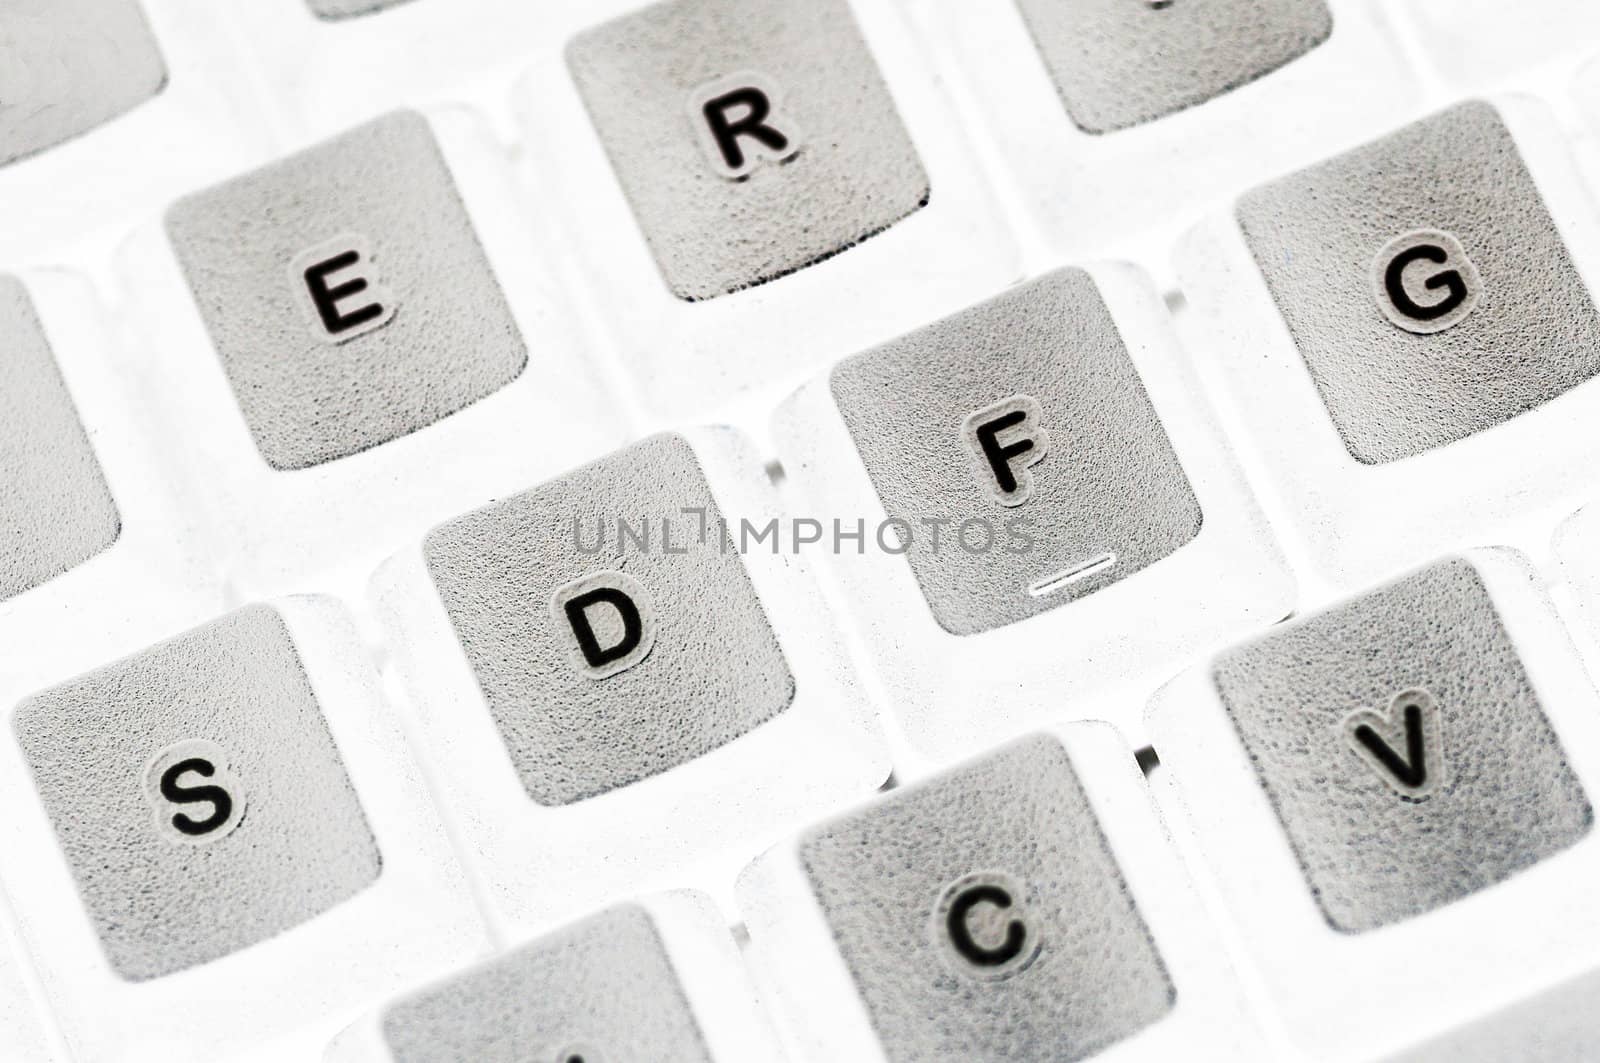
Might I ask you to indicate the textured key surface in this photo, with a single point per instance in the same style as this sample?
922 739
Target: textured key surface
602 991
1110 482
307 398
1119 63
1505 796
299 843
1089 973
713 672
1393 393
856 172
67 66
55 507
333 9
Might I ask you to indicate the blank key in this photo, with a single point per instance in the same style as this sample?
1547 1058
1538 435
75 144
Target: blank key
55 508
753 138
67 66
1119 63
600 991
1403 748
346 293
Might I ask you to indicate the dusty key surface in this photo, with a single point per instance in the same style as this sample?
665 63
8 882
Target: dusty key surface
1119 63
1403 748
982 915
600 991
346 293
55 507
198 795
606 661
67 66
753 138
1425 284
1024 420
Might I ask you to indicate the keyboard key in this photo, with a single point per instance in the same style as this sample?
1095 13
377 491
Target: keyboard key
1055 432
1032 458
196 793
595 669
988 913
1428 225
337 9
371 312
655 979
1404 747
319 279
644 650
1398 323
753 139
67 66
724 167
1029 899
1092 108
227 815
1399 784
1119 64
57 510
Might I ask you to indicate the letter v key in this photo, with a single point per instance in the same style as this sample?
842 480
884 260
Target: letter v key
1403 746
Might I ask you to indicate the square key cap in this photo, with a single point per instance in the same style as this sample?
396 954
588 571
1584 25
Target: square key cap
55 507
600 991
67 66
1425 284
1020 423
1403 748
198 796
1119 63
753 138
605 662
346 293
983 916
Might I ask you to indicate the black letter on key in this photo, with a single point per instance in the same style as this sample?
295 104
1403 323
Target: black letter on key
961 935
726 131
1000 456
179 794
327 299
1450 280
632 625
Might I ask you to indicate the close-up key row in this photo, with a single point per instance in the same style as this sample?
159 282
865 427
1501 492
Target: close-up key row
742 531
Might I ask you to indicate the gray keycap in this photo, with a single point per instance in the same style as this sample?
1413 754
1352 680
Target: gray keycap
1101 493
599 991
982 915
67 66
1119 63
1488 317
197 795
812 159
527 579
1403 747
346 293
55 508
336 9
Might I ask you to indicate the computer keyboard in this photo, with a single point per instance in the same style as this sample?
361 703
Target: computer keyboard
725 530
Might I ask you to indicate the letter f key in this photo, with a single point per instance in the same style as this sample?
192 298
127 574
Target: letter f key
1006 440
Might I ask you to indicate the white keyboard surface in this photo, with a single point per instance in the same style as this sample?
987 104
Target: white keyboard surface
622 531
